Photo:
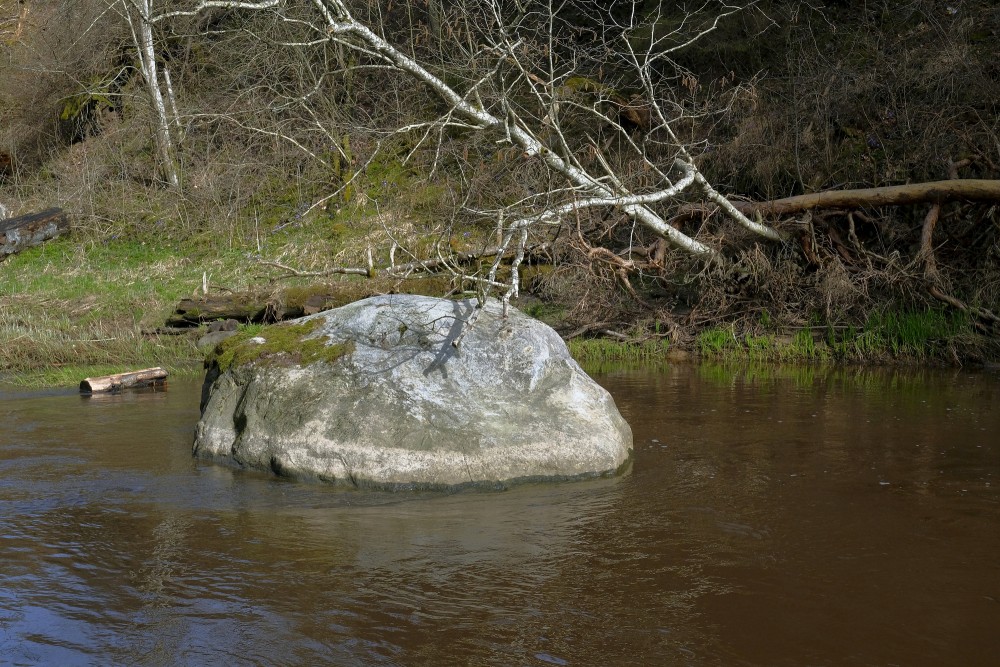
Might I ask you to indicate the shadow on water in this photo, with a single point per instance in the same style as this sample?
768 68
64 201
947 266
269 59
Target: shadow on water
772 517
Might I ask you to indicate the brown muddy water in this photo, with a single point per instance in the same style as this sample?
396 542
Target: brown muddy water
771 517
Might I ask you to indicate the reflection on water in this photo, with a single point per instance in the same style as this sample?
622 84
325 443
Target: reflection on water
772 517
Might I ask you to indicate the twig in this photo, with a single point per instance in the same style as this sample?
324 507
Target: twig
295 273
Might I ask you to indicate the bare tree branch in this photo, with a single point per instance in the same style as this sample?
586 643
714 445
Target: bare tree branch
211 4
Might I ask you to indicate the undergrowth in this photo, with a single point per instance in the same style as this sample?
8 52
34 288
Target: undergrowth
901 335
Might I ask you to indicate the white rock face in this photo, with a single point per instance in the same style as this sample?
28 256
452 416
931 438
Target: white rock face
406 408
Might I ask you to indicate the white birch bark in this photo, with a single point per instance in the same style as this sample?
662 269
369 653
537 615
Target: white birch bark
139 13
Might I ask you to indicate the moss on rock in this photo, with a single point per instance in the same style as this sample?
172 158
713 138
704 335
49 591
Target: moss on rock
279 344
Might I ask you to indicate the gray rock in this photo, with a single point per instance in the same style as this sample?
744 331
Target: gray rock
403 407
223 325
208 342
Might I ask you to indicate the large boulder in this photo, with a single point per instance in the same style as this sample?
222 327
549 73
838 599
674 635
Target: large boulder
377 394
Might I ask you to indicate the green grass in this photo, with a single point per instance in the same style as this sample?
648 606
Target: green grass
722 343
917 334
602 349
903 335
804 347
716 341
550 314
71 309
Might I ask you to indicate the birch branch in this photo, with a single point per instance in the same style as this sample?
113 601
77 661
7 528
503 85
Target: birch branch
213 4
343 25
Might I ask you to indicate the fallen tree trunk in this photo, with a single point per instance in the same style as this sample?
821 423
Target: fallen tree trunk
240 307
246 307
26 231
148 377
250 307
934 192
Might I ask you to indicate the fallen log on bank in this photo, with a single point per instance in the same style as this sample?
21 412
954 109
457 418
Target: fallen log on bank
26 231
239 307
192 312
147 377
250 307
253 308
934 192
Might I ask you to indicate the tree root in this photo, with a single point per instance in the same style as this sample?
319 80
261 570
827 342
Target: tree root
984 315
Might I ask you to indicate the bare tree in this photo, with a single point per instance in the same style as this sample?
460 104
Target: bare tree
139 14
538 88
142 18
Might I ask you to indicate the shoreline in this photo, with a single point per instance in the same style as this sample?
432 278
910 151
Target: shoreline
595 355
76 307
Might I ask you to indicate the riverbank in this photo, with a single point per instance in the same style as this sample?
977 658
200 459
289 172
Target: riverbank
78 307
232 187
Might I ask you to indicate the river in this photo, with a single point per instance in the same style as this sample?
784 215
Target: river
772 516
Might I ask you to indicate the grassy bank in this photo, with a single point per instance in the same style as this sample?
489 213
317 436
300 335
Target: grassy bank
80 306
928 336
72 309
906 336
75 308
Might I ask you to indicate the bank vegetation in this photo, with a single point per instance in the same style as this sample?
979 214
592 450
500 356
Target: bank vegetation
765 180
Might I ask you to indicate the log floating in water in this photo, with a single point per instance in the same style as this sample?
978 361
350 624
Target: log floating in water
26 231
148 377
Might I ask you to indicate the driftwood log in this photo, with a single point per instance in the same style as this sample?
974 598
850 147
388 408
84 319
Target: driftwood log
147 377
241 307
244 308
26 231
